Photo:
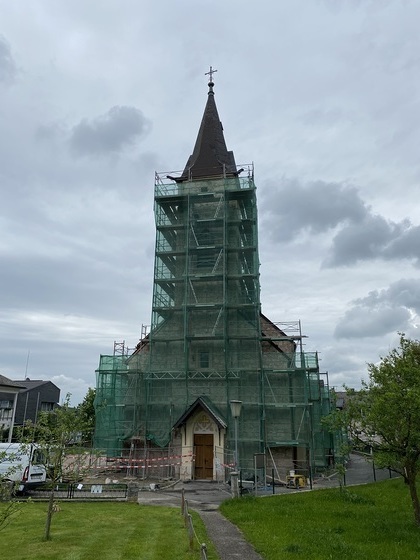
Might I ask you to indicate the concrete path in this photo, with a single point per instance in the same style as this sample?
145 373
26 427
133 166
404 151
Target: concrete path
227 538
205 498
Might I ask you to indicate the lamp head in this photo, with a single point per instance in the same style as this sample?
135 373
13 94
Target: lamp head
235 408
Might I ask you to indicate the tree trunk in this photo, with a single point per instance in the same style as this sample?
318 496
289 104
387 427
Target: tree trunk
414 497
49 515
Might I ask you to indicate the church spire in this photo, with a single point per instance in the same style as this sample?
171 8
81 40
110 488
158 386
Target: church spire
210 157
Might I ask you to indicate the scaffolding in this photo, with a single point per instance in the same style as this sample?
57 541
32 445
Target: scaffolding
208 337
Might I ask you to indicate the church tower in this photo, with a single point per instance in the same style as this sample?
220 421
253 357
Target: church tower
205 330
209 343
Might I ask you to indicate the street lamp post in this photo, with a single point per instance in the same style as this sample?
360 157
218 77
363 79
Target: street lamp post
235 409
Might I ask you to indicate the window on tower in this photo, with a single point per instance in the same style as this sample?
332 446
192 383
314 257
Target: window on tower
204 360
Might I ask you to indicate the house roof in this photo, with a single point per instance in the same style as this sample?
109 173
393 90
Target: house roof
206 404
29 384
6 382
210 156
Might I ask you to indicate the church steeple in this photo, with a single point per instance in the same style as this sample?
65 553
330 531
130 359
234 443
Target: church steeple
210 157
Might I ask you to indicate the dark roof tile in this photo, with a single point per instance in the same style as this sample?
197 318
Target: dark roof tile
210 157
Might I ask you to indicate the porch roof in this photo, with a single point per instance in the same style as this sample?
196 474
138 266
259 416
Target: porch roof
206 404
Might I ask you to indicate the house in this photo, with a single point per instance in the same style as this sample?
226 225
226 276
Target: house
31 397
9 392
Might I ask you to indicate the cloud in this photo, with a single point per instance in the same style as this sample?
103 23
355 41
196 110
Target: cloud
405 292
119 128
8 68
404 245
358 233
361 322
395 308
315 207
375 238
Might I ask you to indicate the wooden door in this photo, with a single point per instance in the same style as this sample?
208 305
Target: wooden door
203 445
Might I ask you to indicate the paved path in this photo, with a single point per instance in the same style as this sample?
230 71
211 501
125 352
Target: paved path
227 538
205 498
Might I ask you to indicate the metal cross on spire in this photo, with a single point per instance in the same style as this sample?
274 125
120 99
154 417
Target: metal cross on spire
210 73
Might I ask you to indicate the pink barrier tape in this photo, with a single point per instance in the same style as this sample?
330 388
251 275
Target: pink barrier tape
141 464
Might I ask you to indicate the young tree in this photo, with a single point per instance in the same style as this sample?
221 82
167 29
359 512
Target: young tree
10 508
54 432
385 414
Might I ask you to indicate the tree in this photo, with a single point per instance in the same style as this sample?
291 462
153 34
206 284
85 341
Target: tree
385 414
53 432
86 410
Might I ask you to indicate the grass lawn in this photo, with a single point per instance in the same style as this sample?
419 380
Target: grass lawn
103 531
371 522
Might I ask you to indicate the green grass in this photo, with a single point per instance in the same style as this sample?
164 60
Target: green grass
371 522
103 531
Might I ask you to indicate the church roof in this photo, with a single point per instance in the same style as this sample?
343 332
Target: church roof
210 157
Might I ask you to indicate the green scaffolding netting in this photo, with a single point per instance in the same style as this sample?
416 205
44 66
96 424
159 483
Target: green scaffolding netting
208 337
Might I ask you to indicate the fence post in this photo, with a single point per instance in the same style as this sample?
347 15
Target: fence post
234 484
190 531
188 522
132 490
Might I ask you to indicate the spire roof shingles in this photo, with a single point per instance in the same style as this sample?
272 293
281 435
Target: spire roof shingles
210 157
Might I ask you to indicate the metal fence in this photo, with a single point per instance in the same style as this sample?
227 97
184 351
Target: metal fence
359 468
80 491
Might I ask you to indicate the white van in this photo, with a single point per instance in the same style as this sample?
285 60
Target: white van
22 464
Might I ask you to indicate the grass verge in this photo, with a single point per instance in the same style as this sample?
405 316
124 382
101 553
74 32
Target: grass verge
370 522
102 531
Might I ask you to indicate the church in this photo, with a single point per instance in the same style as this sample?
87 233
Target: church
213 382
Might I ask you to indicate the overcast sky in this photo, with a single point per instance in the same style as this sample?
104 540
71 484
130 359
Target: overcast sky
323 97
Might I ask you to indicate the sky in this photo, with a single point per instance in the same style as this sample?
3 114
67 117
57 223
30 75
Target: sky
323 96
